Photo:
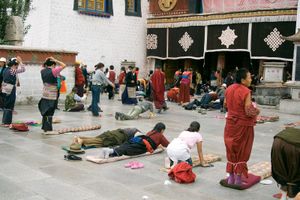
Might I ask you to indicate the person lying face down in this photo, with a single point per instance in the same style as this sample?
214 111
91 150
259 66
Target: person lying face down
140 144
106 139
180 148
134 113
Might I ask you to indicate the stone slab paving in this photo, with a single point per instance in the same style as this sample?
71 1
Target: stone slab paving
32 165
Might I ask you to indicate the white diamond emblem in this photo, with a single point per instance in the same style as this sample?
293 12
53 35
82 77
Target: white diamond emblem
151 40
186 41
227 37
274 39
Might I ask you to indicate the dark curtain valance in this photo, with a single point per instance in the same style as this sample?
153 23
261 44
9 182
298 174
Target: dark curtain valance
156 42
224 37
267 43
186 42
189 42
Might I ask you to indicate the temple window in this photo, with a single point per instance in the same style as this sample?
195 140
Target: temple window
102 8
133 8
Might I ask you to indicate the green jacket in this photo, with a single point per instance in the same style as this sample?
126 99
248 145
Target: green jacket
70 101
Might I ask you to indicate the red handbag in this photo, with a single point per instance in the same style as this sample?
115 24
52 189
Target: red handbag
182 173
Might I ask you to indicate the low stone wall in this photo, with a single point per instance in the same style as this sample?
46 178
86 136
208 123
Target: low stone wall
270 94
30 89
289 106
31 85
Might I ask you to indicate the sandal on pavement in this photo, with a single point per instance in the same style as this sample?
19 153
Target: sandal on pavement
72 157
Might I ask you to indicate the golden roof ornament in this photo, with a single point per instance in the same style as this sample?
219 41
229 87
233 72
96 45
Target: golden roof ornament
167 5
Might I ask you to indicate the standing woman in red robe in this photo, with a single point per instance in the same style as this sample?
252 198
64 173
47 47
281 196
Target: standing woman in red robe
122 82
184 91
158 88
239 128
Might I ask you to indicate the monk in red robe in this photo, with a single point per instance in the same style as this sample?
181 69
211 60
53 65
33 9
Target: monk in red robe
239 128
79 79
173 94
184 95
158 88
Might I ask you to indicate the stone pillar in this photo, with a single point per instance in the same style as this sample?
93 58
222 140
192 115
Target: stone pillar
14 31
273 72
296 64
270 91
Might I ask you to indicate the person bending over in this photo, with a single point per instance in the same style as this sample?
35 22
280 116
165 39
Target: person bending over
180 148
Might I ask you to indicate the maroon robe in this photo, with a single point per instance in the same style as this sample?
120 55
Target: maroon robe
239 130
158 87
184 92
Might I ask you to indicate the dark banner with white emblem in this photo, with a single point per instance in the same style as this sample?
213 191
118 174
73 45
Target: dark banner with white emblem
156 43
186 42
266 41
297 74
227 37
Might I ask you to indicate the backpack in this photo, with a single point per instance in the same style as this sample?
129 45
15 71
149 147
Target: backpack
182 173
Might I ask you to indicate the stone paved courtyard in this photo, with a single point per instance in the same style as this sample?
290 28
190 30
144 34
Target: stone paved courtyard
32 165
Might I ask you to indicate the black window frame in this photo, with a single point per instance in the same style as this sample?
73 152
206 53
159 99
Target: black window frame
108 8
137 10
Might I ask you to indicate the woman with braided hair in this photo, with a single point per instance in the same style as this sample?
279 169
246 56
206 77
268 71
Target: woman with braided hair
9 88
47 104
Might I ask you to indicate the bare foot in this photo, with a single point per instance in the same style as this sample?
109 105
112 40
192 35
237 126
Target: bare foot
79 141
75 139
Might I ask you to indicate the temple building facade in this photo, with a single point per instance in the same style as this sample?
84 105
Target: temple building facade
108 31
210 35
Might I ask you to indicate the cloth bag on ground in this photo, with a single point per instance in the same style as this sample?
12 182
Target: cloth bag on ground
19 127
182 173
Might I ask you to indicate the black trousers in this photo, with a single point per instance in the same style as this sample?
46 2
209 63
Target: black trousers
2 95
110 91
130 149
8 106
47 109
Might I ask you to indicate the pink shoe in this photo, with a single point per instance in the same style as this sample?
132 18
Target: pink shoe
137 165
128 165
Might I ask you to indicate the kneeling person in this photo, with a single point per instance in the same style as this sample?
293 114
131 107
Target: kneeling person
180 148
73 102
